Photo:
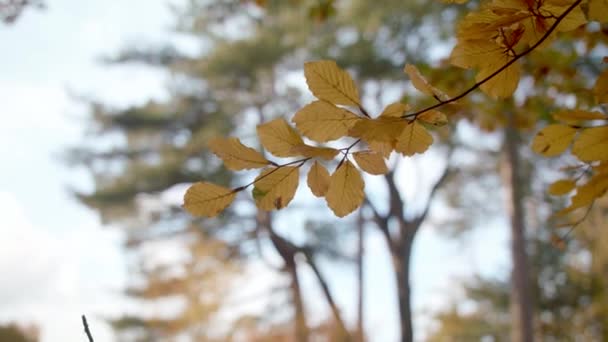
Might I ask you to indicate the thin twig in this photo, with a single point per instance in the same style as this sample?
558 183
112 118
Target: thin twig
501 69
86 328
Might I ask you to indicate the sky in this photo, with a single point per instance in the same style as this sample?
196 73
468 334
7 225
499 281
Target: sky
56 259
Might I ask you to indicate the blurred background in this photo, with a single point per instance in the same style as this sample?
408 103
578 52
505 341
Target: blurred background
107 108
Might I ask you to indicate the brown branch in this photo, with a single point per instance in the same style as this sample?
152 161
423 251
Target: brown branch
438 184
328 296
501 69
395 199
86 328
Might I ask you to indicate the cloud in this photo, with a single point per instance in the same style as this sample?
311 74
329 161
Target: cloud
50 280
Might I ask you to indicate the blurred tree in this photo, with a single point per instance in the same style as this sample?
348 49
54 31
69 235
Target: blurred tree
17 333
570 293
10 10
236 79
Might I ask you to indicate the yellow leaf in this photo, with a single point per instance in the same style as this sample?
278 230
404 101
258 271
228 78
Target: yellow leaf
279 138
207 199
553 140
394 110
575 116
237 156
345 191
561 187
383 129
326 153
318 179
601 86
414 139
322 121
592 144
330 83
598 10
433 117
383 147
371 162
275 187
502 85
422 84
585 194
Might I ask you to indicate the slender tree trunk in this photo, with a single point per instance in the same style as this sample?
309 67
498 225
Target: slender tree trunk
401 262
360 275
301 328
521 293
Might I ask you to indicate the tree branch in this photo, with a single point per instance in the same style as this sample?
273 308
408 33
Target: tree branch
327 293
501 69
86 328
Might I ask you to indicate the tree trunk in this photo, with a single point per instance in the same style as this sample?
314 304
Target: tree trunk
301 329
360 276
521 293
401 262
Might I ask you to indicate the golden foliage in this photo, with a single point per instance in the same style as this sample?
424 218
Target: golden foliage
237 156
318 179
345 191
276 187
206 199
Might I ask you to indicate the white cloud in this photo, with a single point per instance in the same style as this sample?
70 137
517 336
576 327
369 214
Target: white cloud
51 281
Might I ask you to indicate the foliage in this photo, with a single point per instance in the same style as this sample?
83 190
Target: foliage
491 40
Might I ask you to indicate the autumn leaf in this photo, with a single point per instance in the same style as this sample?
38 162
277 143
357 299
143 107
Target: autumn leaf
592 144
371 162
276 187
553 140
420 83
383 147
308 151
385 128
587 193
394 110
279 138
598 10
575 116
318 179
237 156
502 85
600 90
414 139
330 83
345 191
207 199
561 187
433 117
322 121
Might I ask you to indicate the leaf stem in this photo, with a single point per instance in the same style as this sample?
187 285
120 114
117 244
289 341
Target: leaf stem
501 69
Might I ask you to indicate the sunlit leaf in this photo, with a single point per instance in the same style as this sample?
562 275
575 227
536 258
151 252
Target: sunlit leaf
592 144
561 187
279 138
433 117
422 84
345 191
394 110
275 187
326 153
371 162
330 83
237 156
553 140
322 121
207 199
414 139
575 116
318 179
600 90
598 10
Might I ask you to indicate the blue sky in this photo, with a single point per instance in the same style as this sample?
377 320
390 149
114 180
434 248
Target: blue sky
56 260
